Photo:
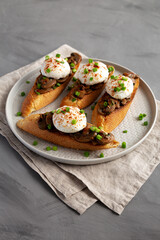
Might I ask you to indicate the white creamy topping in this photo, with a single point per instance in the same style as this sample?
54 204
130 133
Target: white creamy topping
55 67
92 73
69 121
119 88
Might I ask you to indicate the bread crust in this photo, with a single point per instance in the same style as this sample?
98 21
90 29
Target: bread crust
30 125
86 100
111 121
34 102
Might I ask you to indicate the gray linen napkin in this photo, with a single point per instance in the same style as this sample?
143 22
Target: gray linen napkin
114 183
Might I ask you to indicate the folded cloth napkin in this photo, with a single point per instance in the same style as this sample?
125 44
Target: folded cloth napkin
114 183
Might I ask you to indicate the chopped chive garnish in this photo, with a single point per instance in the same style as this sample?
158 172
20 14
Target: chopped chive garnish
101 155
81 111
48 148
116 77
100 127
123 144
74 70
96 63
58 111
63 112
110 69
38 85
67 109
73 99
99 137
144 115
58 55
117 89
35 143
46 57
85 71
95 69
121 84
62 62
66 59
77 93
90 60
54 148
44 77
124 78
48 70
72 64
57 60
97 130
74 79
92 107
125 131
86 154
74 121
38 93
105 104
58 84
19 114
27 82
123 88
112 77
86 114
54 87
49 126
93 129
23 94
120 81
53 111
145 123
91 78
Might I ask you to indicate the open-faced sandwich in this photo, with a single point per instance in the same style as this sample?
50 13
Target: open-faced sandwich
56 72
67 127
114 104
89 83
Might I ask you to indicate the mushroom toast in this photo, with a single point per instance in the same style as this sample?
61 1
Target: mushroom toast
67 127
56 72
89 83
112 107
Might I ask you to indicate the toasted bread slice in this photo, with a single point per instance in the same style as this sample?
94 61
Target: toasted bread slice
34 102
111 121
86 100
30 125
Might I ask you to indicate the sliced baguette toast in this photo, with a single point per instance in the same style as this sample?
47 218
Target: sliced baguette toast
34 102
111 121
30 125
86 100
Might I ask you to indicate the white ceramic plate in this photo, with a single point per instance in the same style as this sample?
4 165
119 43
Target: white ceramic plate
144 102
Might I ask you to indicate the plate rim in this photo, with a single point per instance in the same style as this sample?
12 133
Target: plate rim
81 161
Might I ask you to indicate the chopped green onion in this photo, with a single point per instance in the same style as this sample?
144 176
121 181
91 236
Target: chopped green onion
123 144
125 131
58 55
62 62
144 115
74 70
23 94
90 60
92 107
86 154
99 137
121 84
72 64
123 88
74 79
117 89
54 148
77 93
67 109
85 71
100 127
124 78
73 99
44 77
111 69
58 84
91 78
95 69
97 130
112 77
27 82
57 60
105 104
74 121
46 57
81 111
86 114
63 112
116 77
38 85
54 87
35 143
96 63
53 111
66 59
101 155
48 70
49 126
19 114
145 123
48 148
120 81
58 111
93 128
38 93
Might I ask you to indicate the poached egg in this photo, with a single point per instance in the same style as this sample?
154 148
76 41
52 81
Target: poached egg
69 119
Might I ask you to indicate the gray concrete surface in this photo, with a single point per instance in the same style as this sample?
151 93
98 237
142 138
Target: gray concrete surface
126 32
